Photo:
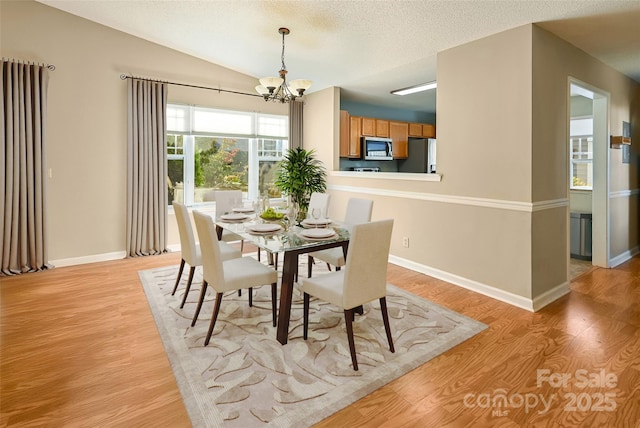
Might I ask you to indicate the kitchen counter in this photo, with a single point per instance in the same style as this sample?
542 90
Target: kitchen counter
388 175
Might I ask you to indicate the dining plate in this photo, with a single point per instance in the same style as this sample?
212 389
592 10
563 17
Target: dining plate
243 210
264 228
311 222
318 233
234 217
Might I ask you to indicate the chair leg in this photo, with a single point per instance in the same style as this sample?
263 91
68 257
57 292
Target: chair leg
337 268
192 270
305 316
329 267
385 318
309 266
275 261
348 318
250 296
259 254
242 245
175 287
214 317
274 310
200 300
239 292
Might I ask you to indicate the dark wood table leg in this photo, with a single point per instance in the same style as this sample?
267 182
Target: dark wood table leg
286 295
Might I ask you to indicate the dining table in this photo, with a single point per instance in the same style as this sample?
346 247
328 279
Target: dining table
292 240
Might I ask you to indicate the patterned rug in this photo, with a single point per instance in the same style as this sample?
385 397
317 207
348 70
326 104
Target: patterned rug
245 378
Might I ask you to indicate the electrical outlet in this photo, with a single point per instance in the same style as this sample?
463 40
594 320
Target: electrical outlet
405 242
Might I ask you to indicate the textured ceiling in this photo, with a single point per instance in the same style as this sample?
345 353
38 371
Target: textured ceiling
366 47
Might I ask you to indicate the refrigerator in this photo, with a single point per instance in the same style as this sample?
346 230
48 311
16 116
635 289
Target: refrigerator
422 156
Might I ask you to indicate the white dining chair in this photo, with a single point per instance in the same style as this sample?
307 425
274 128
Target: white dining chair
358 211
226 201
228 275
190 249
363 279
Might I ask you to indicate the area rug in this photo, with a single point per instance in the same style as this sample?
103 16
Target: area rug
246 378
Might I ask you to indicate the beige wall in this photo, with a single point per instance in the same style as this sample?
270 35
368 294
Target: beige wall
87 109
502 116
554 62
498 220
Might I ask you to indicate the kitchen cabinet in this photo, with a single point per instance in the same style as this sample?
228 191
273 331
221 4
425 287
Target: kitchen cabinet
382 128
372 127
355 132
399 133
428 131
422 130
344 134
368 126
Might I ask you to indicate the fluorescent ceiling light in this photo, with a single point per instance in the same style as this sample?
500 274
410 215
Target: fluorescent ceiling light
416 88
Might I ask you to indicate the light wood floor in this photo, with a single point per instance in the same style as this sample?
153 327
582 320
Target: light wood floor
80 349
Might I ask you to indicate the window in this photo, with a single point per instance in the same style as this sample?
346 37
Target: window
581 152
210 149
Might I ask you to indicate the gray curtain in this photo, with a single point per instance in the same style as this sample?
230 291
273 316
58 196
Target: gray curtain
146 168
295 124
22 155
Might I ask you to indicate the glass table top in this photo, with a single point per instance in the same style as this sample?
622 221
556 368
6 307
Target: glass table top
284 239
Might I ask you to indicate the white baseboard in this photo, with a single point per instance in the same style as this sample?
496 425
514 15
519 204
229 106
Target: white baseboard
625 256
486 290
117 255
550 296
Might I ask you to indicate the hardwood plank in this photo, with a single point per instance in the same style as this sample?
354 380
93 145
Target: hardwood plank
79 347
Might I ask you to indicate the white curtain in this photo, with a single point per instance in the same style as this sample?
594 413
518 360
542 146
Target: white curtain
147 168
22 155
295 124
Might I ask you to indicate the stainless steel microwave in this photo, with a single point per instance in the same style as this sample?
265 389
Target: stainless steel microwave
377 148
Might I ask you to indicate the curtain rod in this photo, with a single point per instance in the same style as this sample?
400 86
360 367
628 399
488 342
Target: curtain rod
125 77
51 67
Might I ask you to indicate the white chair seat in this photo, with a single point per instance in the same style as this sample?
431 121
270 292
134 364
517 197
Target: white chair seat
327 287
229 236
245 272
333 256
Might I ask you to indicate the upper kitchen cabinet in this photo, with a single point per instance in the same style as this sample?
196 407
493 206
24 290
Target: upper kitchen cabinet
399 133
344 134
422 130
382 128
355 132
372 127
368 126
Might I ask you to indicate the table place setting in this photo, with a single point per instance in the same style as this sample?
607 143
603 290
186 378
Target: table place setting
234 217
315 223
264 228
318 234
244 210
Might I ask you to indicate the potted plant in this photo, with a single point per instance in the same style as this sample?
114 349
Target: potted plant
300 174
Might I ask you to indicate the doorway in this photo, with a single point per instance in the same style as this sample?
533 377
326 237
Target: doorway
588 178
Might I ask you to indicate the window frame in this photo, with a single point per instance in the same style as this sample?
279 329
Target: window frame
259 122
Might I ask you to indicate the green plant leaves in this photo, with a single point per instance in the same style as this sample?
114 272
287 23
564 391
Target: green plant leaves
300 174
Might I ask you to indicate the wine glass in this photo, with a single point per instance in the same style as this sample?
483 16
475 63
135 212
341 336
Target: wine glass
316 212
292 214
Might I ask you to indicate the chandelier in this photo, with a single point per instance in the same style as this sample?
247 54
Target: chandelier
276 89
